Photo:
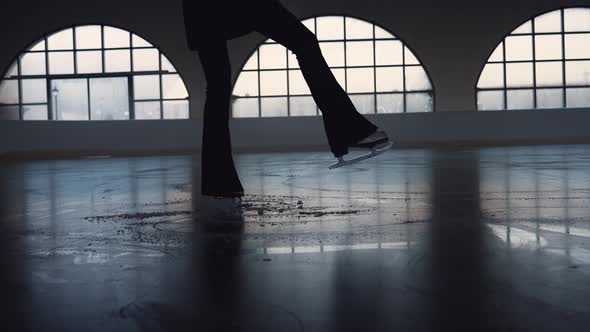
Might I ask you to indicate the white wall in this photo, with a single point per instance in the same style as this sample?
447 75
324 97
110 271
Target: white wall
412 129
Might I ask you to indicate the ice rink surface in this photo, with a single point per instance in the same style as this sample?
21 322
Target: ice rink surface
467 239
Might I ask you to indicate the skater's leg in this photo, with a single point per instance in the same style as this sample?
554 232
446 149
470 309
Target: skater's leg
344 125
218 175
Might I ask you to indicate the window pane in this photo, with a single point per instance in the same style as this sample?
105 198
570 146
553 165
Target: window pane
273 83
578 97
519 48
40 46
550 98
388 52
246 85
55 55
310 24
69 99
340 77
330 28
116 38
390 103
89 62
35 112
519 74
273 57
167 65
13 71
577 72
524 28
520 99
577 46
291 59
9 113
492 76
272 107
498 54
34 91
357 29
245 108
88 37
359 53
549 73
303 106
147 110
109 98
550 22
390 79
409 57
177 109
419 102
9 92
117 61
297 84
252 63
173 87
334 53
490 100
577 19
365 104
146 87
63 40
33 64
140 42
146 60
548 47
61 63
360 80
382 33
417 79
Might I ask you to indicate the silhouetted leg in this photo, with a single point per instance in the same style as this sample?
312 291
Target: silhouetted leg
344 125
219 177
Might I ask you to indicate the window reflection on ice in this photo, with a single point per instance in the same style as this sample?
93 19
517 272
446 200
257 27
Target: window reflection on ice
517 237
282 250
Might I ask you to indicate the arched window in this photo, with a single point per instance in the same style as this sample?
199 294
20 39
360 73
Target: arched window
92 72
378 71
544 63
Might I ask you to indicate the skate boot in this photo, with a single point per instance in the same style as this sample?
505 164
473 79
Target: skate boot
378 142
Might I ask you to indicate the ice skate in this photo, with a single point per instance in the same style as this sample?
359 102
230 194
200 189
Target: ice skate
378 143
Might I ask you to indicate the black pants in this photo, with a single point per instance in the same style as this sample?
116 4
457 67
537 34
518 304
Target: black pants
343 124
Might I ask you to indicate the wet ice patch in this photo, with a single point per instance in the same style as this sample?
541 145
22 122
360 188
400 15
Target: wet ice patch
56 252
92 258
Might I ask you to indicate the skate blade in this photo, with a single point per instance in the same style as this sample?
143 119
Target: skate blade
374 153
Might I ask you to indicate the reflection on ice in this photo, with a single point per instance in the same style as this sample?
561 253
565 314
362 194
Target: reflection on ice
565 229
517 237
335 247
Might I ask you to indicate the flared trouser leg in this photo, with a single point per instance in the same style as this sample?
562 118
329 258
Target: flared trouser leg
218 173
344 125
